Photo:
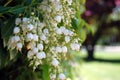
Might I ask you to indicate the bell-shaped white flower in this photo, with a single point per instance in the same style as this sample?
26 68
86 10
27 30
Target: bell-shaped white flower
19 46
41 55
59 49
30 27
58 18
16 38
16 30
30 54
64 49
58 31
17 21
44 55
77 47
72 45
35 37
66 32
29 36
67 39
40 46
35 50
55 62
62 76
43 37
25 19
12 40
45 31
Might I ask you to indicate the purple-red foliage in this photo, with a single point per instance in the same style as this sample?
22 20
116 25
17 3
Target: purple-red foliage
98 8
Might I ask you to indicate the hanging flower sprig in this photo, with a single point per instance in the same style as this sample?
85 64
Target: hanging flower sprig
47 40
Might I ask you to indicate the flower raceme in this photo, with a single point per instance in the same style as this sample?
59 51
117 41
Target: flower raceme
47 39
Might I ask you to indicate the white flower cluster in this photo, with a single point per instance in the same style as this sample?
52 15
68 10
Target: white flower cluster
47 40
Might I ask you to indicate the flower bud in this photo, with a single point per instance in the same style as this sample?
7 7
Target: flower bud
45 31
41 55
17 21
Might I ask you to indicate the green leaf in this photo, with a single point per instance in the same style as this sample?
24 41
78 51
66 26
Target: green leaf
7 29
13 54
17 9
14 10
74 23
83 1
46 72
4 9
28 2
82 34
3 57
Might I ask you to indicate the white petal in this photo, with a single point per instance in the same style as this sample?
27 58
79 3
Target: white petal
30 27
58 18
55 62
40 46
64 49
62 76
35 37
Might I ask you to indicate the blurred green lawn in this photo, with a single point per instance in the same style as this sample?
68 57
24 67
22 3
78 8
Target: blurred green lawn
101 70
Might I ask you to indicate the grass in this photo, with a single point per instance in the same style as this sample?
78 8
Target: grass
108 69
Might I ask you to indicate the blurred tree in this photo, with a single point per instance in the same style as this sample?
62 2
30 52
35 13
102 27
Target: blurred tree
98 14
